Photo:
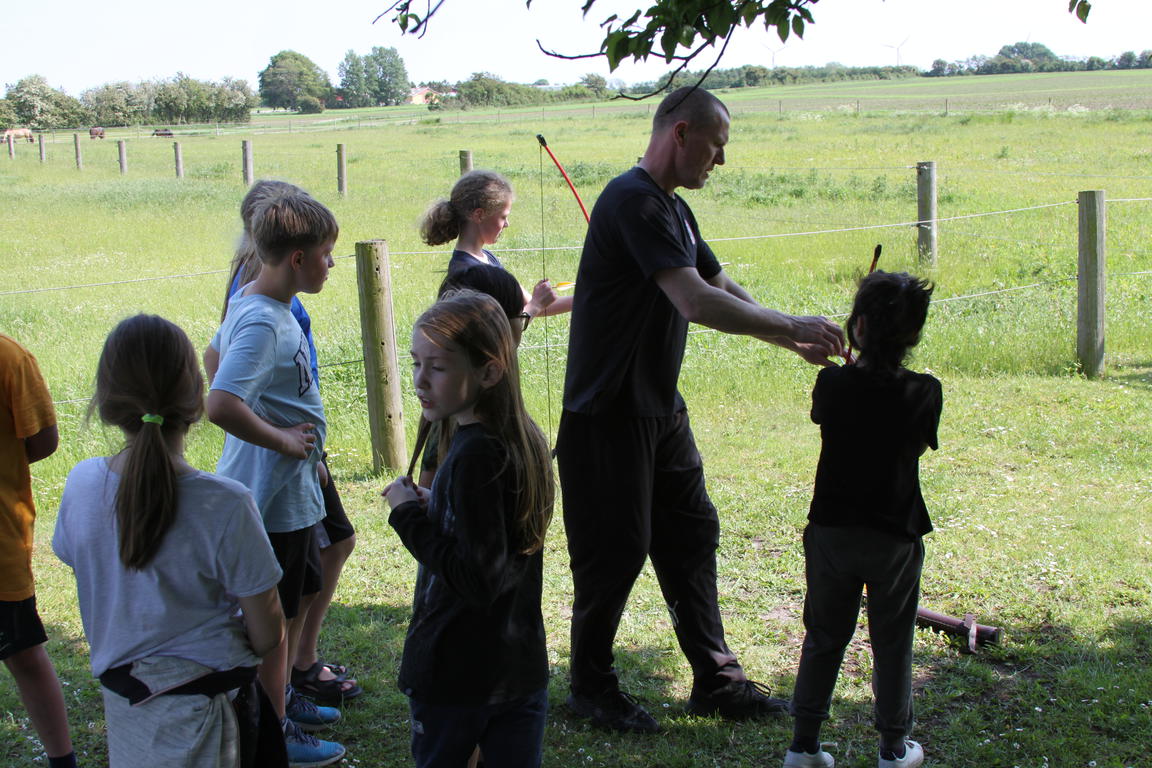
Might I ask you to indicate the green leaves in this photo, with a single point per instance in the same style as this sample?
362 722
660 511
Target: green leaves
1081 8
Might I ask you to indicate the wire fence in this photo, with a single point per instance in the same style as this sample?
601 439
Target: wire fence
548 347
576 247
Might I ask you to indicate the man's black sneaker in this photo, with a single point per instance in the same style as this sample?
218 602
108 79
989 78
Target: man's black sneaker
738 700
613 709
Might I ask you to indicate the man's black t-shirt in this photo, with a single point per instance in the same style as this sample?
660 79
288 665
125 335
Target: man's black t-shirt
873 428
626 339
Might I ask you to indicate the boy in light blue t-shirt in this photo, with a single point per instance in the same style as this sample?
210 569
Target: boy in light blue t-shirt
265 396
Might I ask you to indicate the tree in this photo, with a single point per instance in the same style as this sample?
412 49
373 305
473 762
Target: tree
1034 52
8 117
113 104
387 78
354 88
40 106
310 105
1127 60
595 83
290 75
668 26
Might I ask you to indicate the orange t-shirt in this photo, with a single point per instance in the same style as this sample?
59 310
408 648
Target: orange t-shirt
25 410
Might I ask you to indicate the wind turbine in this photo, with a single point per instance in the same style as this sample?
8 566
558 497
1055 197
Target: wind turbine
898 47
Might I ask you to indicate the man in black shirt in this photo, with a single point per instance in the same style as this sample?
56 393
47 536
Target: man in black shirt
631 476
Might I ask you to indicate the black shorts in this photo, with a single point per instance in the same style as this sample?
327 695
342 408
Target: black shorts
336 525
20 627
299 556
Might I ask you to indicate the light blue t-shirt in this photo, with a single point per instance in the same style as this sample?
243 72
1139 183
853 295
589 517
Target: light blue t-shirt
264 361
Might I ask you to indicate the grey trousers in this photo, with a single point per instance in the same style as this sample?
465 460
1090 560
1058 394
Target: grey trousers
171 730
839 564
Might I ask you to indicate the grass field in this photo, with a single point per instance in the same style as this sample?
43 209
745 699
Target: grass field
1040 491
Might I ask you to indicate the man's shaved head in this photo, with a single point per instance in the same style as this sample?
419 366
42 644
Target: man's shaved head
695 106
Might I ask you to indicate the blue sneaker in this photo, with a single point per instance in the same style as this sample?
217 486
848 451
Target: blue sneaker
307 751
306 714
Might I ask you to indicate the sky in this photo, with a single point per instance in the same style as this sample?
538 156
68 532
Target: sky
80 45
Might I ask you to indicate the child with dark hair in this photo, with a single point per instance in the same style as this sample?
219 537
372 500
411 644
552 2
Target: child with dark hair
164 556
867 518
27 435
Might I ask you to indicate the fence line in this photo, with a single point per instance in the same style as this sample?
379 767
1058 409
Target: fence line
577 247
809 168
960 170
890 226
698 331
113 282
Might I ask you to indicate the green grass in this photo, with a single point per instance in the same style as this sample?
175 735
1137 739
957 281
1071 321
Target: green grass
1040 491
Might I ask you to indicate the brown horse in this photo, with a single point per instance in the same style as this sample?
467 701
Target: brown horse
15 134
96 132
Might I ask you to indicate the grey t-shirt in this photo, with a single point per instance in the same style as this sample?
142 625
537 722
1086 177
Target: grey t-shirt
184 602
264 361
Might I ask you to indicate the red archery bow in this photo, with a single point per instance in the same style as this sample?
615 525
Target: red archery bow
571 186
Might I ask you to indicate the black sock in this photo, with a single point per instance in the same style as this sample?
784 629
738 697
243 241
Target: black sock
64 761
894 754
811 746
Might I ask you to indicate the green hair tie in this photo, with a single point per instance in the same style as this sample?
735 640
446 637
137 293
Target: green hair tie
152 418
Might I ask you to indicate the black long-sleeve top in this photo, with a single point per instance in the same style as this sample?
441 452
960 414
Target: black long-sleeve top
477 633
874 427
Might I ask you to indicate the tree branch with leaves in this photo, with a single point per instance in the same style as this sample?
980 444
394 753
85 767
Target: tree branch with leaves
676 30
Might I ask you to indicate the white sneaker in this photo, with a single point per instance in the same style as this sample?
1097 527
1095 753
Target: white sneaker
913 756
819 759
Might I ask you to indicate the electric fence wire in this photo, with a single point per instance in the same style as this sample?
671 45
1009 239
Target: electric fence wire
548 346
577 247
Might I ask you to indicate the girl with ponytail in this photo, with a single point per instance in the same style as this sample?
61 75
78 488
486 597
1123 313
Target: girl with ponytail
164 556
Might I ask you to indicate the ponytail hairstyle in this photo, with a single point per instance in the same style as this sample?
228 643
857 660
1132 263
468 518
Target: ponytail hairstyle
475 324
246 262
486 190
148 384
893 306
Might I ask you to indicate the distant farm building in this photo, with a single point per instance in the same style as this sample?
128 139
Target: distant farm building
424 95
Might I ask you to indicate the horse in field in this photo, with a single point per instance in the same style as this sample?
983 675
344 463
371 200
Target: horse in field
95 132
15 134
163 132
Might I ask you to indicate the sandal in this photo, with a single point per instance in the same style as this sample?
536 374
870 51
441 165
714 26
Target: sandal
327 692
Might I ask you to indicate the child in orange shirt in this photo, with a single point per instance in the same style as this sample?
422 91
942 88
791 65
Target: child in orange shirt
27 434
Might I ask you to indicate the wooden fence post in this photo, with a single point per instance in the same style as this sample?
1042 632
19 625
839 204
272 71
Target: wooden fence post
341 171
926 227
43 153
179 159
465 161
122 152
11 147
1090 290
79 154
381 370
246 157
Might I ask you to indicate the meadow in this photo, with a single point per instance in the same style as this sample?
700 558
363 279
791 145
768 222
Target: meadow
1040 490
